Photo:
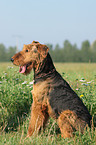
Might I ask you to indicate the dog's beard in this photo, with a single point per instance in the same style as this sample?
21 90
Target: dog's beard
25 69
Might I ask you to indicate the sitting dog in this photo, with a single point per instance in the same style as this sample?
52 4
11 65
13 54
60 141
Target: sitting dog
52 95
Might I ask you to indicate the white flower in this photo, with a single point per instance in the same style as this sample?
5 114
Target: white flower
30 87
24 82
89 82
82 80
84 84
31 83
10 67
0 82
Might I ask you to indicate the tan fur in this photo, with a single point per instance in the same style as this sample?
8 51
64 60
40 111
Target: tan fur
39 117
23 58
41 109
69 122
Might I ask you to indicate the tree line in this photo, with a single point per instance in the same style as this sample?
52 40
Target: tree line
68 53
6 53
71 53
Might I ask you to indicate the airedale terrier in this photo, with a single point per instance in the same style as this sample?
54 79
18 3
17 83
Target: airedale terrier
52 95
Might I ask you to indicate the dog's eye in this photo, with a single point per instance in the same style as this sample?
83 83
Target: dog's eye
27 50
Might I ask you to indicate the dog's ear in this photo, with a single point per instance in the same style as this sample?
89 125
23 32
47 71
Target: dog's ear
43 50
35 42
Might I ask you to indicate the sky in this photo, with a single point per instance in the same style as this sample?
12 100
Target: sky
51 21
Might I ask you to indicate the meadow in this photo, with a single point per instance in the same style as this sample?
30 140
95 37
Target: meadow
16 100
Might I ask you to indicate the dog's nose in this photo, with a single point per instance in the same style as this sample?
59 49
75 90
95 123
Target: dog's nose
12 59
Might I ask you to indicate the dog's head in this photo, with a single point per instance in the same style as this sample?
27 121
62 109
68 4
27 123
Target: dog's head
30 57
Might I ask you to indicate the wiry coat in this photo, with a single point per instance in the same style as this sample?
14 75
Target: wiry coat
52 95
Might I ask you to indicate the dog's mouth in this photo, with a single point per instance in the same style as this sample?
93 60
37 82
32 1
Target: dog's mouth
25 68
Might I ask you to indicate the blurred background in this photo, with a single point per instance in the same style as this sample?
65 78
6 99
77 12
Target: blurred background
67 27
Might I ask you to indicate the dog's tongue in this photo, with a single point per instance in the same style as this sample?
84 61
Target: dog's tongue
22 69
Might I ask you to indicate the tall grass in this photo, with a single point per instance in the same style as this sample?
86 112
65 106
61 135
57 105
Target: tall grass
16 100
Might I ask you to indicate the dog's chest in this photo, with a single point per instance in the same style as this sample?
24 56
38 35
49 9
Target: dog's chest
41 91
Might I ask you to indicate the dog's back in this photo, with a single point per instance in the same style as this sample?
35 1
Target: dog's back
62 97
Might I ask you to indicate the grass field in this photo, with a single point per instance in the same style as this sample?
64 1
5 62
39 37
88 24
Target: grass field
16 100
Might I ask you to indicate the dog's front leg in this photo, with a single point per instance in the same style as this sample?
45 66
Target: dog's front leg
39 117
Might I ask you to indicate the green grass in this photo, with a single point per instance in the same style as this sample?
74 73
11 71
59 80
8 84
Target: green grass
16 100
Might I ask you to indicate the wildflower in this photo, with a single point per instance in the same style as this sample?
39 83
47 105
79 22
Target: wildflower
77 89
81 96
24 82
90 82
17 79
84 84
30 87
10 67
31 83
0 82
82 80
